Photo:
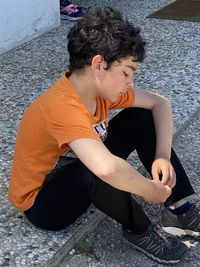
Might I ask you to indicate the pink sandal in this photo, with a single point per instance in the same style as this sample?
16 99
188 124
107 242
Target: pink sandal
71 12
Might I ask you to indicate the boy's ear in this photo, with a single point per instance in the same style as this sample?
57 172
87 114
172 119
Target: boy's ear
97 63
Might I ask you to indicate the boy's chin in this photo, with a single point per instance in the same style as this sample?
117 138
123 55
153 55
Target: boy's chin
112 99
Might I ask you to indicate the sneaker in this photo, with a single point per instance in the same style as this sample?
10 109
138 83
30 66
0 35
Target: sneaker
157 244
181 225
70 11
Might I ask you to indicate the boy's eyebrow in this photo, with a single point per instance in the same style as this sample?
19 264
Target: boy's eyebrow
131 67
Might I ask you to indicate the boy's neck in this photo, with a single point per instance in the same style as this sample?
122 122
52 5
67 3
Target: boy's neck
84 85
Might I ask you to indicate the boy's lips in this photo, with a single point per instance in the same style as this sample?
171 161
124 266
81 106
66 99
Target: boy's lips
123 92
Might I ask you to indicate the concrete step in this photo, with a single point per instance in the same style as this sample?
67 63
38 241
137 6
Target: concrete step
105 240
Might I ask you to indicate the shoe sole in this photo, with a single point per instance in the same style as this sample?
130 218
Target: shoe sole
153 257
181 233
69 18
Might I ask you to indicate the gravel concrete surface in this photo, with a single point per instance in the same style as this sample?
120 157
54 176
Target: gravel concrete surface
171 68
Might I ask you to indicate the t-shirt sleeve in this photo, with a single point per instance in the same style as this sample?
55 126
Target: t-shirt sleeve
124 101
69 122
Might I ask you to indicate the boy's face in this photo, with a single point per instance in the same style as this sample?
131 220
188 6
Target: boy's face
117 79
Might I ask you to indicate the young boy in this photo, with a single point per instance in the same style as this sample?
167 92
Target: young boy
68 156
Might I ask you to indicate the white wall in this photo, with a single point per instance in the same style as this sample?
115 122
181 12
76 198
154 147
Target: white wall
22 20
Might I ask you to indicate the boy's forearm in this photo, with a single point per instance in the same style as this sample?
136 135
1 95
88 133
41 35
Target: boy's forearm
162 114
126 178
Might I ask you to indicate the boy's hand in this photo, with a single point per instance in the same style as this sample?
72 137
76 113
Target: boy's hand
159 192
162 170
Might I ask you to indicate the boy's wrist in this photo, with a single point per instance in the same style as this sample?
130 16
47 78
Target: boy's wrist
148 189
162 155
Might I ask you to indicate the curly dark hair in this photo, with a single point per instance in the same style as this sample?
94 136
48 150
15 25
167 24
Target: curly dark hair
103 31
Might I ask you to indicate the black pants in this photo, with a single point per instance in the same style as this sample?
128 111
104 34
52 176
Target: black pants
73 187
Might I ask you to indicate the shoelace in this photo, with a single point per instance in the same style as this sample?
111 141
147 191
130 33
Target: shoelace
162 234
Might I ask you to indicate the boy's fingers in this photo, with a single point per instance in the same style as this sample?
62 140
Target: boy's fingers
171 182
165 176
169 190
165 179
156 177
173 175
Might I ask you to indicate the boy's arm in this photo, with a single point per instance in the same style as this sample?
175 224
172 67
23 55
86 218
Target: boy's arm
117 172
162 115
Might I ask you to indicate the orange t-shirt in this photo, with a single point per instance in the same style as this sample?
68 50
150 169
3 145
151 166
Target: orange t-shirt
53 120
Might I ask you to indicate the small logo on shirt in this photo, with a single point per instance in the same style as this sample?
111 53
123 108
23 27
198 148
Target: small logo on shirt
101 129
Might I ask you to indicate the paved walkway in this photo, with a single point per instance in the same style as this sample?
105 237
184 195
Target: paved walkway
171 68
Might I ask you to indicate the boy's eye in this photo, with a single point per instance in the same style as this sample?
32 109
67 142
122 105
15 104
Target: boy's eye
125 74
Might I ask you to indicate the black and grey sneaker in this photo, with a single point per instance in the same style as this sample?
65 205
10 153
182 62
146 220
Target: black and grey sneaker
181 225
157 244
